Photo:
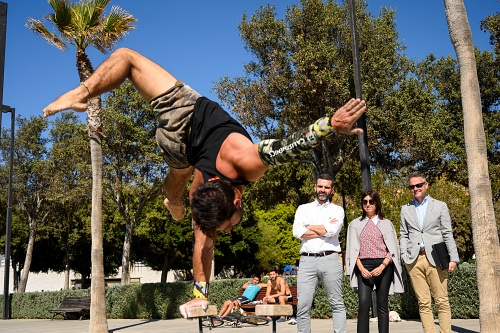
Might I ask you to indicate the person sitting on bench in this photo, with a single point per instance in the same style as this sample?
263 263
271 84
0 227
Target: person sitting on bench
278 291
251 287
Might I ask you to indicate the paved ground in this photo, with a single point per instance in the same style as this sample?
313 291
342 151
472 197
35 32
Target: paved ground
186 326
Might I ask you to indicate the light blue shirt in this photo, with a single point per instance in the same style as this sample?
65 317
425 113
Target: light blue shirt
421 209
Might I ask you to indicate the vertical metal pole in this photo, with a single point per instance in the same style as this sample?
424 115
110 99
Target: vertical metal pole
8 226
3 37
364 154
3 29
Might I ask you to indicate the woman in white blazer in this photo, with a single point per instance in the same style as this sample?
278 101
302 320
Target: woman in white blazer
373 261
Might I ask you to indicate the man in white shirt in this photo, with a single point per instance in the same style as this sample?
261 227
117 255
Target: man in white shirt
318 224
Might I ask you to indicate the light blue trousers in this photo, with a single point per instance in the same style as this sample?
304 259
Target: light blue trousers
329 270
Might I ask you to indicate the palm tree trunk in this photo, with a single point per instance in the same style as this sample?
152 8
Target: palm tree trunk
485 234
98 321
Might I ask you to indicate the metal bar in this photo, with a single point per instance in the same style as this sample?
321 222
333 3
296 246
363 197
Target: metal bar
8 226
364 154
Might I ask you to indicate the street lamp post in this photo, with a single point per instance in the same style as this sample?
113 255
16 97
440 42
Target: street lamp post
8 225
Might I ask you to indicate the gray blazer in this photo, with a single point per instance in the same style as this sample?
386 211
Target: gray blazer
391 241
436 229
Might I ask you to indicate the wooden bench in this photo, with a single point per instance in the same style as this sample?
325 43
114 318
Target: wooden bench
73 305
194 312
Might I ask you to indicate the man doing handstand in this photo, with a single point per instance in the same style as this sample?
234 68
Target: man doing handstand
197 135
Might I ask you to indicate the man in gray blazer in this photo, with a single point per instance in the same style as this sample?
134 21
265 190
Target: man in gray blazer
426 221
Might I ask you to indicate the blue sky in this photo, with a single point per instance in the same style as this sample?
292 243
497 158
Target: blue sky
198 41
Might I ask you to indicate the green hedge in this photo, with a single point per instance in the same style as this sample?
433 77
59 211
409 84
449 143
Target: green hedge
151 300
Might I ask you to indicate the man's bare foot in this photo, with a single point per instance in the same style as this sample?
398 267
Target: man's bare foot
177 211
75 99
345 117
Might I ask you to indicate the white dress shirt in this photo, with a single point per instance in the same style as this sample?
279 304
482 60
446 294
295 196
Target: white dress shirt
314 213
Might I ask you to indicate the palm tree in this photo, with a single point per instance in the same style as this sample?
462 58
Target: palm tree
84 24
485 234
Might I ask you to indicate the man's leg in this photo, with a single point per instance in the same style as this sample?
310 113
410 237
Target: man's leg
331 273
282 301
439 285
418 276
149 78
174 187
269 301
307 281
226 308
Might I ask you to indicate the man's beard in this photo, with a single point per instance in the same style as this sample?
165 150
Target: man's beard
321 196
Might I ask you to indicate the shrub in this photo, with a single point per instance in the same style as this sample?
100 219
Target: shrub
152 301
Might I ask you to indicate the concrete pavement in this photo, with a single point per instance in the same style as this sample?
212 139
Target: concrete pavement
187 326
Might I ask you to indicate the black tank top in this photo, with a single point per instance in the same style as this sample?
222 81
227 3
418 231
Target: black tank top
210 126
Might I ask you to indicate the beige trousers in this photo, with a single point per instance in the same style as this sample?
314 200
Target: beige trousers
424 276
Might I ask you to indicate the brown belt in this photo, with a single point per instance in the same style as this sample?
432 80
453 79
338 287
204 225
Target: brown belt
421 252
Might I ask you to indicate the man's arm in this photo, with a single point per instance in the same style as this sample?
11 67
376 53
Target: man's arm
245 285
301 225
251 161
334 225
202 259
403 239
203 245
203 252
447 232
174 187
314 231
268 288
202 266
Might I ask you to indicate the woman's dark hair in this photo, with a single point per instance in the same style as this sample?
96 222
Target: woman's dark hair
376 198
212 204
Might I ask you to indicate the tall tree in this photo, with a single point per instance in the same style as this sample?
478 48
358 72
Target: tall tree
71 181
133 169
486 241
84 24
32 181
302 70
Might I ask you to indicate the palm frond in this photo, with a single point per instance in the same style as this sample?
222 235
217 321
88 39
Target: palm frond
116 26
84 23
61 17
38 28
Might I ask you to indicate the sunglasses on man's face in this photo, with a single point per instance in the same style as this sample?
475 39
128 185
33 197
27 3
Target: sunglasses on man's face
371 202
419 185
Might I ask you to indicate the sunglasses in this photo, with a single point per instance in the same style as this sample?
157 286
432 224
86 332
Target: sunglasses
371 201
419 185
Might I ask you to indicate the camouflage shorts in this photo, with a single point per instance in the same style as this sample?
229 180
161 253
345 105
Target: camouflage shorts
174 110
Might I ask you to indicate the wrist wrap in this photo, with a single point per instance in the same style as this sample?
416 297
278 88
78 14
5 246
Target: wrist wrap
277 152
200 289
